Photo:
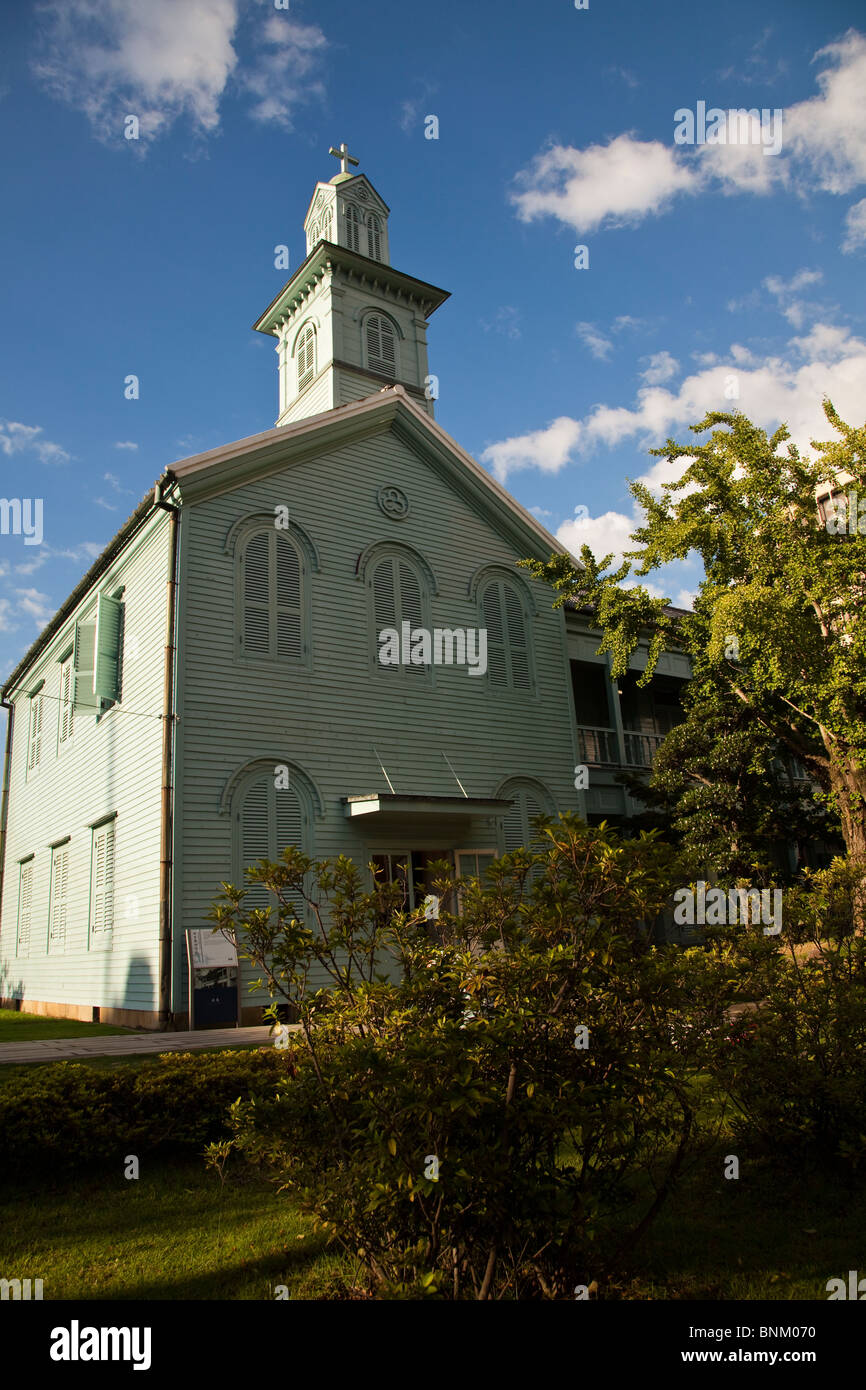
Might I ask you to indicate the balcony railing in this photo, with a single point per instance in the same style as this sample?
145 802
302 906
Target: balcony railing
640 748
600 747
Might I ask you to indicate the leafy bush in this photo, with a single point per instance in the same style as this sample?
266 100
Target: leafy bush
66 1115
445 1122
797 1077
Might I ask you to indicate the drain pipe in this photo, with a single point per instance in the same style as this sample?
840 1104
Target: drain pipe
4 806
166 1017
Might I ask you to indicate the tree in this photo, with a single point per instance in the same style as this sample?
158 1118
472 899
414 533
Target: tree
720 789
777 619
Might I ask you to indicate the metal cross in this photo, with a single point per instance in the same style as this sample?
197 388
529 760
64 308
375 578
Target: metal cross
344 157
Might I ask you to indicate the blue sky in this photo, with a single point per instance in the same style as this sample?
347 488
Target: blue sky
713 268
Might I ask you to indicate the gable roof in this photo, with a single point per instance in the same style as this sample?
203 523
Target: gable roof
216 470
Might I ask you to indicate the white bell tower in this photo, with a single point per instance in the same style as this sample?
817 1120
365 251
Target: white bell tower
347 323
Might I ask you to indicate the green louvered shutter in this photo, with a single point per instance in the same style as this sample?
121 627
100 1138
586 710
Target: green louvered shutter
106 669
491 611
255 634
255 836
518 646
411 606
290 831
384 604
288 615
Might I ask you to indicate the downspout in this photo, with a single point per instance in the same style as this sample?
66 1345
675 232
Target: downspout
4 807
166 1017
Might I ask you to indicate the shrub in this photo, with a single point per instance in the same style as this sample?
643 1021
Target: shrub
66 1115
797 1077
445 1123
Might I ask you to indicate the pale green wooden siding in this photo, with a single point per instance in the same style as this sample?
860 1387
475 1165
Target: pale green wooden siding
107 766
326 719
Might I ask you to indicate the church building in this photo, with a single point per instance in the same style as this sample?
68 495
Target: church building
215 690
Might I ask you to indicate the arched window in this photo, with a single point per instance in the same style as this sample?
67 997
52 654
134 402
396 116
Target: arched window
353 228
374 237
399 596
504 615
305 352
380 345
529 799
271 578
269 816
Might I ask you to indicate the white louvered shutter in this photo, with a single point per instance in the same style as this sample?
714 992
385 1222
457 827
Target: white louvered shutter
518 646
66 711
381 347
374 237
289 643
102 906
353 228
34 751
491 612
59 886
307 357
25 908
256 595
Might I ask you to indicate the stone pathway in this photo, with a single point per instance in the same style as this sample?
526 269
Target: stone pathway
131 1044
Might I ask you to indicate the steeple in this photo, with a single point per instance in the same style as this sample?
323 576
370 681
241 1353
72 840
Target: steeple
347 324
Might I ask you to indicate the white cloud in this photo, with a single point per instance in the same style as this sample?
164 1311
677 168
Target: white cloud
828 131
855 224
606 534
289 53
16 438
784 292
125 444
506 321
823 146
604 185
164 59
35 605
101 502
540 512
598 344
662 366
828 361
7 623
548 449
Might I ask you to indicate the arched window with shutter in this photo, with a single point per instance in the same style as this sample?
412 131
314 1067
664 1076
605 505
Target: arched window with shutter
374 237
380 345
504 615
528 800
268 818
400 585
271 584
353 228
305 355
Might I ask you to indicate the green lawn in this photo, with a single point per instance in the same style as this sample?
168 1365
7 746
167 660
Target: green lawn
174 1234
171 1234
21 1027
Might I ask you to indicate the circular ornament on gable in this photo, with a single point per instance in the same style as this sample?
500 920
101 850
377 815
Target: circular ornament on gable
393 502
